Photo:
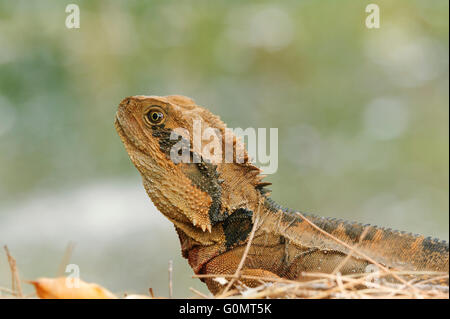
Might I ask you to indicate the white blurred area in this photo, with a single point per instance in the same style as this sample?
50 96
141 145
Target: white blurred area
385 118
408 58
261 26
115 229
86 214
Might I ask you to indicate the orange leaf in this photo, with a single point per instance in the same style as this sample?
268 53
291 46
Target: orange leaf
69 288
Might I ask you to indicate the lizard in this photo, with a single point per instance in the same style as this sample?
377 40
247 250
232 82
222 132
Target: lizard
214 205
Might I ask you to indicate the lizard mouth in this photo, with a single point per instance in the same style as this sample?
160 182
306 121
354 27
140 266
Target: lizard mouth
128 140
120 130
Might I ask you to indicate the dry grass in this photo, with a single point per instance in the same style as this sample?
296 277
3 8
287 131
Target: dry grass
376 284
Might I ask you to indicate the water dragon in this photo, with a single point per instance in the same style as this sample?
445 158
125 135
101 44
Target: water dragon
214 205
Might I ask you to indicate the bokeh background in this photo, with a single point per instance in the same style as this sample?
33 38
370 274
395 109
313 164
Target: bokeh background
362 118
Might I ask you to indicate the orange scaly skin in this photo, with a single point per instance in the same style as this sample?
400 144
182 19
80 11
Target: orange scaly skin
213 207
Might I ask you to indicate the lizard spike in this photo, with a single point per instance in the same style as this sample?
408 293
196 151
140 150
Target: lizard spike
209 227
194 222
203 228
253 172
262 184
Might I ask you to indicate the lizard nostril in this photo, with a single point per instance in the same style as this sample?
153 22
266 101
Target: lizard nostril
126 101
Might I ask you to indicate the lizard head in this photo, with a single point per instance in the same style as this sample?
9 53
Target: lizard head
189 182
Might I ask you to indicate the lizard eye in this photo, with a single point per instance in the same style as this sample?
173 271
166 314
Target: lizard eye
154 116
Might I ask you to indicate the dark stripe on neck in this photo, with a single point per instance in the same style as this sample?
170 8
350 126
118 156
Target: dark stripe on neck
237 227
202 173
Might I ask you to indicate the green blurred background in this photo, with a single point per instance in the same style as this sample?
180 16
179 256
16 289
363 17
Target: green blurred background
362 116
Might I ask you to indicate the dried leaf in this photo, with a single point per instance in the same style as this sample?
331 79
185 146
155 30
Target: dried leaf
69 288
